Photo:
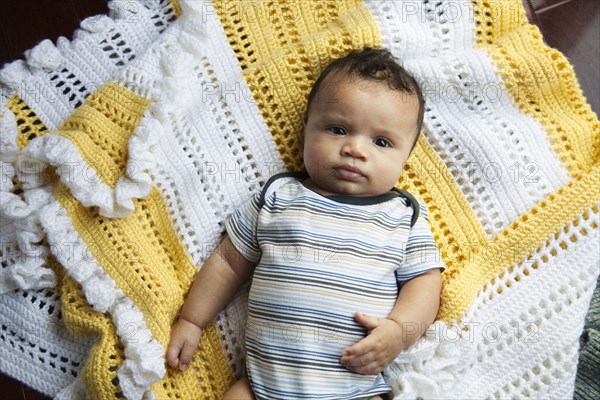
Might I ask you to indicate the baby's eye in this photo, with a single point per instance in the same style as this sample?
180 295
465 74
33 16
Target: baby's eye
337 130
381 142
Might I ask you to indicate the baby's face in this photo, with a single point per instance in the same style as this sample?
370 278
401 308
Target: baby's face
357 136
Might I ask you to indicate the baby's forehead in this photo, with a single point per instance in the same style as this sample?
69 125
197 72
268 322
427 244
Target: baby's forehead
341 77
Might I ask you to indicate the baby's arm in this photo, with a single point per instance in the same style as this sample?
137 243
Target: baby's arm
219 279
415 309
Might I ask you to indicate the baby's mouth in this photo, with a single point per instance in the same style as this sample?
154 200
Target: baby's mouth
348 173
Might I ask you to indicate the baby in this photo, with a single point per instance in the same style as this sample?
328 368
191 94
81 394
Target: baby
343 265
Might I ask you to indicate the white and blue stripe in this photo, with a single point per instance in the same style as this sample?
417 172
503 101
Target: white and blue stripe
319 260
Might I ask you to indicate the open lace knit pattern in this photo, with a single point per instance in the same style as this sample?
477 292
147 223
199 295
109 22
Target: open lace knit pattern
125 149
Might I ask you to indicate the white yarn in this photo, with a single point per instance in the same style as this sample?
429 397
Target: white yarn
144 358
74 391
85 58
44 56
205 132
519 343
80 177
232 327
8 144
28 270
427 369
36 348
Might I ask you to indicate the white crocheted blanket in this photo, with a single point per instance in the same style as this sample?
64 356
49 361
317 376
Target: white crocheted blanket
124 149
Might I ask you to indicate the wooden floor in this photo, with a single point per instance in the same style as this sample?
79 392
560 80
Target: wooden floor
571 26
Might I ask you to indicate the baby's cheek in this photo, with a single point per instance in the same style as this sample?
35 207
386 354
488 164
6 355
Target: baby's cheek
314 160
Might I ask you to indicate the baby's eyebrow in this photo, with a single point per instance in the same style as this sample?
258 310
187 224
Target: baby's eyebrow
335 116
390 133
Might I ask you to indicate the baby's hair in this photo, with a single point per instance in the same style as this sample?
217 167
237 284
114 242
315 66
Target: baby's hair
375 64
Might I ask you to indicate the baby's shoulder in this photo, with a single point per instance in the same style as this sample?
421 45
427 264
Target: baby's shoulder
286 185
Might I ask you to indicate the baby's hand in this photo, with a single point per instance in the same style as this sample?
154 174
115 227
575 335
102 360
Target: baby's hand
380 347
185 337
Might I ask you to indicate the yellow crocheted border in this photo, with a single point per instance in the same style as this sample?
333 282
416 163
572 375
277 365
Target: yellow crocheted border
101 128
142 254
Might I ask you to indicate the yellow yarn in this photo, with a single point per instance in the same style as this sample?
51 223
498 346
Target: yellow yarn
29 125
283 46
453 222
541 80
82 320
112 108
176 7
146 259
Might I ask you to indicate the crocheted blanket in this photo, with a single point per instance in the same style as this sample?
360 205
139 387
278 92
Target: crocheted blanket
125 149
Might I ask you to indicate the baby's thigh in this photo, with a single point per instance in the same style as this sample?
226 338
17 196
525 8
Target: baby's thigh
240 390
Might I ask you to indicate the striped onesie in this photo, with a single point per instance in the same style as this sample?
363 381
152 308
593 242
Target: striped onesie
319 260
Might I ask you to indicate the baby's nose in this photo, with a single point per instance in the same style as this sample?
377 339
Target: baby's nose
354 146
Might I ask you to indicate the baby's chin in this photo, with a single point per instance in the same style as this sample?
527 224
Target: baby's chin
345 188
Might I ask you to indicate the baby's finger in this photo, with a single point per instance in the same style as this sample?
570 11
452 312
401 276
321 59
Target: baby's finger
366 365
358 361
359 348
371 368
186 355
173 353
367 321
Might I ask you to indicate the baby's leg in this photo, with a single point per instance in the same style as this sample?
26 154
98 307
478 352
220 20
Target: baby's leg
240 390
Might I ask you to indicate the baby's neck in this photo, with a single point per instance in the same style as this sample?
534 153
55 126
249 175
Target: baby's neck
310 184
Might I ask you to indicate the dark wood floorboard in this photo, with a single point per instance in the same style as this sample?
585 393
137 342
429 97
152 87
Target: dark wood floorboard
571 26
24 23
